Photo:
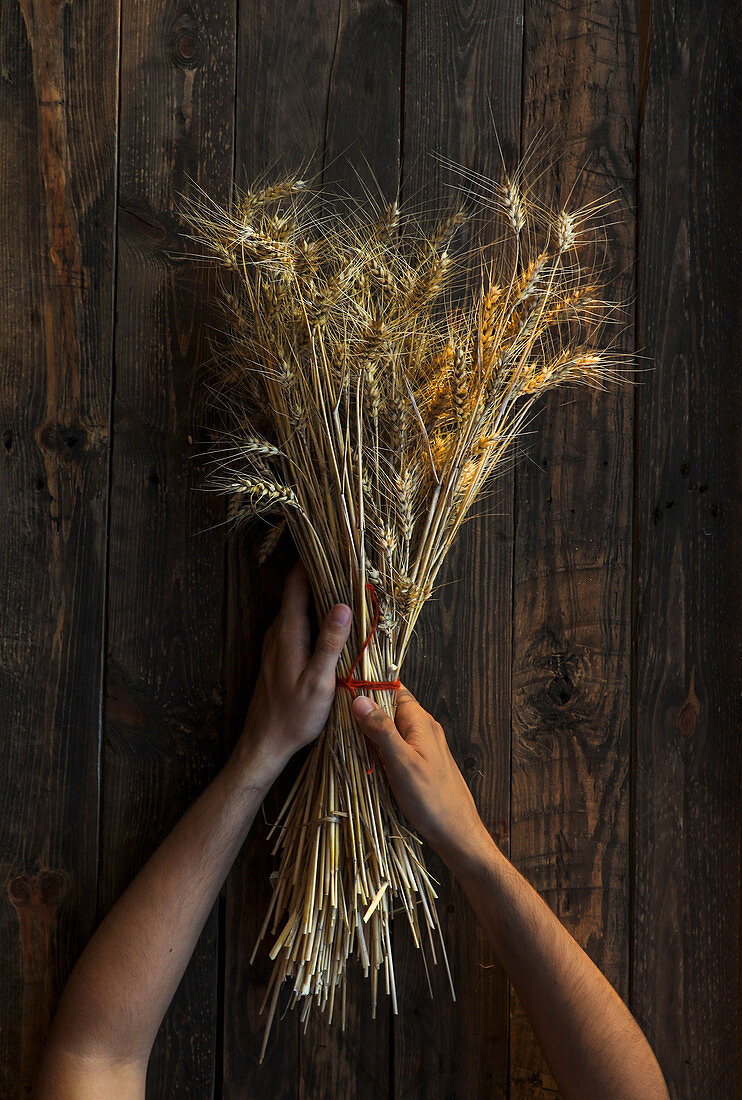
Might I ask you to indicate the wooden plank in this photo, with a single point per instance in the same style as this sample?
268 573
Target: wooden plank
362 145
360 157
163 676
689 519
284 67
572 579
318 84
460 59
58 100
252 601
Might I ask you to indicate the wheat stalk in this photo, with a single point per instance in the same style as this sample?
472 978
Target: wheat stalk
368 416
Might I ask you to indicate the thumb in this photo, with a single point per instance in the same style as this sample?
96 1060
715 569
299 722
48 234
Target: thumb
333 634
379 728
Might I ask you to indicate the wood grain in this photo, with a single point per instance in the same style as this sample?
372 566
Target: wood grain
284 70
58 100
626 499
252 601
573 536
164 655
689 519
459 59
360 159
345 104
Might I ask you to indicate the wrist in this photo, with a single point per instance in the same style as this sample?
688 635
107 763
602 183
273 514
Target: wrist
468 853
255 762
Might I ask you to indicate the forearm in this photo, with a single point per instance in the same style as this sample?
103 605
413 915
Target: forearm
122 985
592 1043
120 989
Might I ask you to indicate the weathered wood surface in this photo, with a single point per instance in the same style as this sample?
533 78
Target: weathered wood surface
570 827
689 523
361 129
285 61
600 579
462 68
162 708
323 90
58 110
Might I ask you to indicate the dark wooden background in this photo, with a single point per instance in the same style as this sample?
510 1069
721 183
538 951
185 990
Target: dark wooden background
587 660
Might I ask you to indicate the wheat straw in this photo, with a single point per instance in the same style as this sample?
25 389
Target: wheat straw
367 415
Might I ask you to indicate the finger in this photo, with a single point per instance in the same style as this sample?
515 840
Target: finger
295 599
333 634
380 730
408 712
293 628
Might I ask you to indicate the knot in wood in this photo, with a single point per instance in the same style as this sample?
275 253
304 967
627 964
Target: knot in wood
186 44
42 890
66 443
561 689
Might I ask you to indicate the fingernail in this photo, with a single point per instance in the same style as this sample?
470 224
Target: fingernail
340 615
363 705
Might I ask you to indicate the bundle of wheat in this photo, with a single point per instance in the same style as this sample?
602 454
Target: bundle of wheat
366 415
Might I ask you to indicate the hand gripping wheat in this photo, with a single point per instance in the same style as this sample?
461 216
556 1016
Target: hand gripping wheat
366 414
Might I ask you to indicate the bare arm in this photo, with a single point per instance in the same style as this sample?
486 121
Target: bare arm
120 989
594 1047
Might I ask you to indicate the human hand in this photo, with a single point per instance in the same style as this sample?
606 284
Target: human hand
423 776
295 687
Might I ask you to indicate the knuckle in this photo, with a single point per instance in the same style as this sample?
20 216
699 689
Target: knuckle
383 726
319 683
328 644
412 729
